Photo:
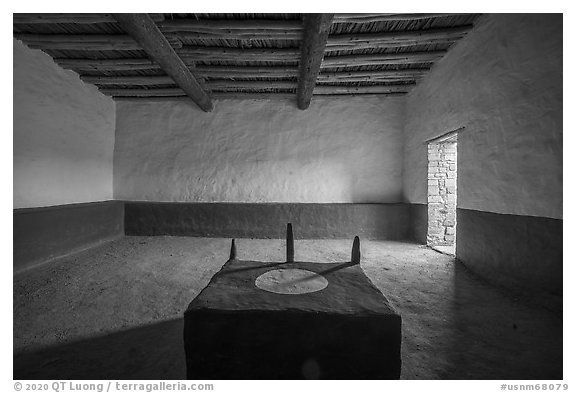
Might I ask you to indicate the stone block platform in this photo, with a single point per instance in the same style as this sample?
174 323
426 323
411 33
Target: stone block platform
343 330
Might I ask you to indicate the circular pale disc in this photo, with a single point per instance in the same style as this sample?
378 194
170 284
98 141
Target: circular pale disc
291 281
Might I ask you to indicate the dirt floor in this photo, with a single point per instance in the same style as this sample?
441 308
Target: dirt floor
115 311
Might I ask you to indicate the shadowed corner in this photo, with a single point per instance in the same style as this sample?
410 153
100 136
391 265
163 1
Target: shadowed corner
154 351
232 250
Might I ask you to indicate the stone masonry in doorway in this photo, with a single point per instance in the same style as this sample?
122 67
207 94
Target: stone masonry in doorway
442 193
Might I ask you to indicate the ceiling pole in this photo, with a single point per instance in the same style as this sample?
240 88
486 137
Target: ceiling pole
316 28
144 31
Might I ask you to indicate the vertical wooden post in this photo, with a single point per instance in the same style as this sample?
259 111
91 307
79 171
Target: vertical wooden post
356 250
289 244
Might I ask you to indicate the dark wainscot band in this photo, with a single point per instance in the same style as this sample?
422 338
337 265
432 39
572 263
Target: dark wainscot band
266 220
44 233
510 249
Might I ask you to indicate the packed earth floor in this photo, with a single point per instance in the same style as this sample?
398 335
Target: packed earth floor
116 311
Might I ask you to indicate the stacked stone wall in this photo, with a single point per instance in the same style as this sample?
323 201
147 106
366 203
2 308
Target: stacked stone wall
442 193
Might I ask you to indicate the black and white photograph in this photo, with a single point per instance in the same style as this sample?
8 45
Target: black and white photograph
367 196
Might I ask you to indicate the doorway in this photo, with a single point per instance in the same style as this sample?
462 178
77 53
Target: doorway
442 175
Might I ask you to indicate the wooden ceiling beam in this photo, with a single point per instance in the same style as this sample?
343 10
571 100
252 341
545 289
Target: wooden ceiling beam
217 96
140 80
392 39
390 89
316 29
248 78
144 31
239 54
445 33
371 18
395 39
246 30
382 58
241 95
84 42
283 84
366 78
30 19
237 71
251 96
131 64
258 85
341 41
168 92
331 50
253 35
164 80
232 26
405 73
105 65
218 85
319 91
212 85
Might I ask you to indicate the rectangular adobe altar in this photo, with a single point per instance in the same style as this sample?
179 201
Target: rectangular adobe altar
347 330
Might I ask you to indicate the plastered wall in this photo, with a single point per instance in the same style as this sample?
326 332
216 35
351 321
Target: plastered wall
503 83
343 150
63 134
